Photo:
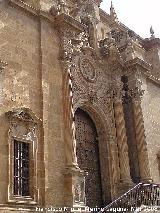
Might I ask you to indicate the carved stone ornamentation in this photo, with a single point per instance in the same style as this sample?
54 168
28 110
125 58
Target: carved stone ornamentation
79 190
2 65
22 124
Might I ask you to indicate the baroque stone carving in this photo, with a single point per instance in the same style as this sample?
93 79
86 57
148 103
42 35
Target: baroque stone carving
22 124
2 65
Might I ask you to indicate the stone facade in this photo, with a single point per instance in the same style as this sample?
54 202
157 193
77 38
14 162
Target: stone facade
56 57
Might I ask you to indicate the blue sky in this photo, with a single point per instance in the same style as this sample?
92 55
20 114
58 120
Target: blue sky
138 15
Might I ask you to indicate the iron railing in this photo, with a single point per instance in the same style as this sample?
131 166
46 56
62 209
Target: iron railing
143 194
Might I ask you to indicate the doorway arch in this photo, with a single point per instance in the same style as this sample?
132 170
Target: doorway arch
88 156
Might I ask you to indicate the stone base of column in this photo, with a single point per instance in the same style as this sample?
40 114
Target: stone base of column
146 180
74 187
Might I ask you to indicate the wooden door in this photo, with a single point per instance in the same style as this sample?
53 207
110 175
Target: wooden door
88 157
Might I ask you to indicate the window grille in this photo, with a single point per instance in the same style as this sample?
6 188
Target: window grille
21 168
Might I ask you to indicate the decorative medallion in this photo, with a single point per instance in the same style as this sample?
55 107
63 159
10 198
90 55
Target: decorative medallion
87 70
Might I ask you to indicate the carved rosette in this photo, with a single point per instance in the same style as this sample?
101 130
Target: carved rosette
85 74
87 70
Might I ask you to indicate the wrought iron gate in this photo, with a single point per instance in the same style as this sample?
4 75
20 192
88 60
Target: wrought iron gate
88 157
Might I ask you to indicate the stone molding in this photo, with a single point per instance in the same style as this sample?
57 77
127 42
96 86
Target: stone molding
31 10
137 62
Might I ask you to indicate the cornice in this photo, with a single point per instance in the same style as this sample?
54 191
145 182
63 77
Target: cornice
146 69
137 62
31 10
64 19
24 6
149 44
154 79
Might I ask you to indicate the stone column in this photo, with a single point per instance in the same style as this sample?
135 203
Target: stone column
136 93
69 127
141 142
122 142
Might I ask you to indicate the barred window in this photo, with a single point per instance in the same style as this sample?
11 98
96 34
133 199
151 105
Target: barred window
21 168
23 147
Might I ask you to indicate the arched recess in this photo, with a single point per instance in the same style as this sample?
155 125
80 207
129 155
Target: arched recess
101 127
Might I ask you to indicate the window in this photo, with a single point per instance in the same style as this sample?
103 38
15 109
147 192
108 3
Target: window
21 168
23 182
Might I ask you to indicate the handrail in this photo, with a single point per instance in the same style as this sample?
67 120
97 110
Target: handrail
147 194
115 201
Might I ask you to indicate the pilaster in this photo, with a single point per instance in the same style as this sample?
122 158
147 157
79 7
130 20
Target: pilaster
68 28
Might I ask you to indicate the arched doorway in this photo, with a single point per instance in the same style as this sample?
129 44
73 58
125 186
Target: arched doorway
88 157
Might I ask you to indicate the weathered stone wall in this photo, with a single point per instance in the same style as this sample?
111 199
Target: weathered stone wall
20 49
52 116
151 112
20 81
33 79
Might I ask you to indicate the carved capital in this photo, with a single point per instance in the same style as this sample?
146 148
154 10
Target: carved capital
116 88
136 94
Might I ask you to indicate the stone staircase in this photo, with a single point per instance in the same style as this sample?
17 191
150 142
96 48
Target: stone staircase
144 197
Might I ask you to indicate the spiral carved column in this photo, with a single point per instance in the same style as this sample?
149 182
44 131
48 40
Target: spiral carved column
68 117
122 142
141 142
